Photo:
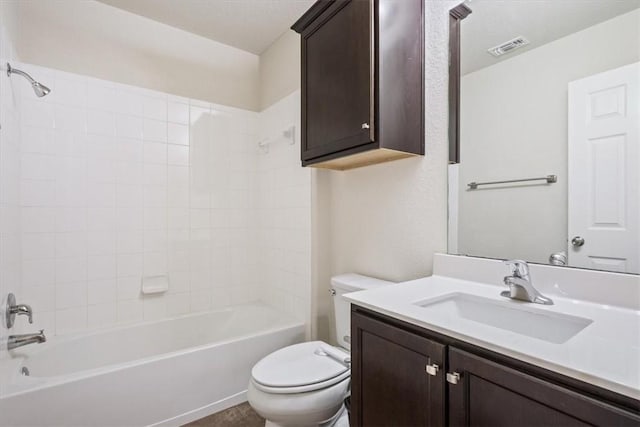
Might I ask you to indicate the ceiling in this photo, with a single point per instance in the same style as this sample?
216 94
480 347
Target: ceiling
493 22
250 25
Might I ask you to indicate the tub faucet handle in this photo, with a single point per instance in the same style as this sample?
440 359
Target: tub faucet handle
14 310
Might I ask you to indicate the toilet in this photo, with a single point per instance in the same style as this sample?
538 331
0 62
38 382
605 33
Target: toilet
304 385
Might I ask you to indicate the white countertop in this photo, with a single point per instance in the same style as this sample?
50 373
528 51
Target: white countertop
606 353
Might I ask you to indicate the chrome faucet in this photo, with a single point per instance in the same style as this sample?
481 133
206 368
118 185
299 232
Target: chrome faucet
14 309
520 286
16 341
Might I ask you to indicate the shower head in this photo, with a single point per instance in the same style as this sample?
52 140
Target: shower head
39 89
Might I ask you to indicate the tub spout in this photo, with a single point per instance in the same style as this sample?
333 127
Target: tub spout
16 341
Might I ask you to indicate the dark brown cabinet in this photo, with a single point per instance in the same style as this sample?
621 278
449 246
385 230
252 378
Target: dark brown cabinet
403 375
362 82
389 365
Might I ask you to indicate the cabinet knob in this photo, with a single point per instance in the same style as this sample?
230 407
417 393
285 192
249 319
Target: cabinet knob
432 369
453 377
365 126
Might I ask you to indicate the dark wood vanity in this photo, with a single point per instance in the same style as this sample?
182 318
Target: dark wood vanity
405 375
362 82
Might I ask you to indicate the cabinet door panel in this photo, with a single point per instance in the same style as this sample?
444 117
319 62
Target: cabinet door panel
489 394
336 78
390 385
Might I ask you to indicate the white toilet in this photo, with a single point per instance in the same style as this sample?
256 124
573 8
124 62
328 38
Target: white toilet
305 385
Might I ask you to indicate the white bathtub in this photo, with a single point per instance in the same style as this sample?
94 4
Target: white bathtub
162 373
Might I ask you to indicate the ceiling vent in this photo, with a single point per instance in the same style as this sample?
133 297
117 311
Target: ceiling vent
509 46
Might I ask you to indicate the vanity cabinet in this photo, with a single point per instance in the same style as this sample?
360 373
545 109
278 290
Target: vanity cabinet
403 375
389 382
362 82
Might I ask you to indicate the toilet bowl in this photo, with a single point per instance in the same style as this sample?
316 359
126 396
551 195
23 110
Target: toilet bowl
304 385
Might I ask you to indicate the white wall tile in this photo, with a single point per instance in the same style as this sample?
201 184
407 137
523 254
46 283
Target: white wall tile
101 315
38 219
102 96
130 265
100 267
70 91
69 118
129 150
130 101
155 153
178 155
37 192
100 122
69 295
178 134
71 270
128 288
71 320
70 245
38 245
101 242
39 272
178 112
154 108
130 311
129 126
37 140
37 166
154 130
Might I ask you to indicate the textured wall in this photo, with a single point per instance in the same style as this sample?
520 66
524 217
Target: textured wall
388 220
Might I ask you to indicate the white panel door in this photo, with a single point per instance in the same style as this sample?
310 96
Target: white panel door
604 182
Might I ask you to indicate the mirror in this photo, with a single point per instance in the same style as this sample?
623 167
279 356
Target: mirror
549 134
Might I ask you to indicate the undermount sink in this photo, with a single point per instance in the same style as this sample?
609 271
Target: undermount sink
509 315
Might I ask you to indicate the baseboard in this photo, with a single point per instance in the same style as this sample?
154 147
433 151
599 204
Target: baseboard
203 411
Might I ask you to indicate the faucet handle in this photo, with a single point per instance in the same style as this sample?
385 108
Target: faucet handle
518 267
12 310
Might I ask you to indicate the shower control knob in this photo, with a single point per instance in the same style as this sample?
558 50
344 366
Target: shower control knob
332 292
577 241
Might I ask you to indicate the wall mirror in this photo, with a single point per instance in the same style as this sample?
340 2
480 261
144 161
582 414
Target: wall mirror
547 133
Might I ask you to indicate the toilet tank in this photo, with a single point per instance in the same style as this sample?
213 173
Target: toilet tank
344 284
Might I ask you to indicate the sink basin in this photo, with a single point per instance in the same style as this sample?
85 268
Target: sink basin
514 316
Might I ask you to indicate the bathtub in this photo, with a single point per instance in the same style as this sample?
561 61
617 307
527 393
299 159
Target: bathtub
163 373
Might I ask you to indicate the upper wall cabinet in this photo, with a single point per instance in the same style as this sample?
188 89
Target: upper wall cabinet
362 82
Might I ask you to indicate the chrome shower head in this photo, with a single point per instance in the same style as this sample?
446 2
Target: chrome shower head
39 89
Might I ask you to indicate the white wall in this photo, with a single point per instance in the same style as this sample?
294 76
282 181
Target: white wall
91 38
388 220
514 125
280 69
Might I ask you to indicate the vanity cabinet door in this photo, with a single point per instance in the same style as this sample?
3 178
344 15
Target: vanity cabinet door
390 385
489 394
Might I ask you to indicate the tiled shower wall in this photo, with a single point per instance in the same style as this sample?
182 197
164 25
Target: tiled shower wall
284 206
9 187
118 183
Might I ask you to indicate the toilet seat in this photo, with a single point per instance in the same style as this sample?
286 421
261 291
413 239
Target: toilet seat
300 368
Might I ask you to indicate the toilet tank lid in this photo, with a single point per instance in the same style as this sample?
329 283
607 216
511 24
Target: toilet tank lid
357 282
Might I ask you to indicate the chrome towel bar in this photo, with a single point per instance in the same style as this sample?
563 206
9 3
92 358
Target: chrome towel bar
549 178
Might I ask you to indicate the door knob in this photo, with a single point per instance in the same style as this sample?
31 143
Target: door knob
577 241
365 126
